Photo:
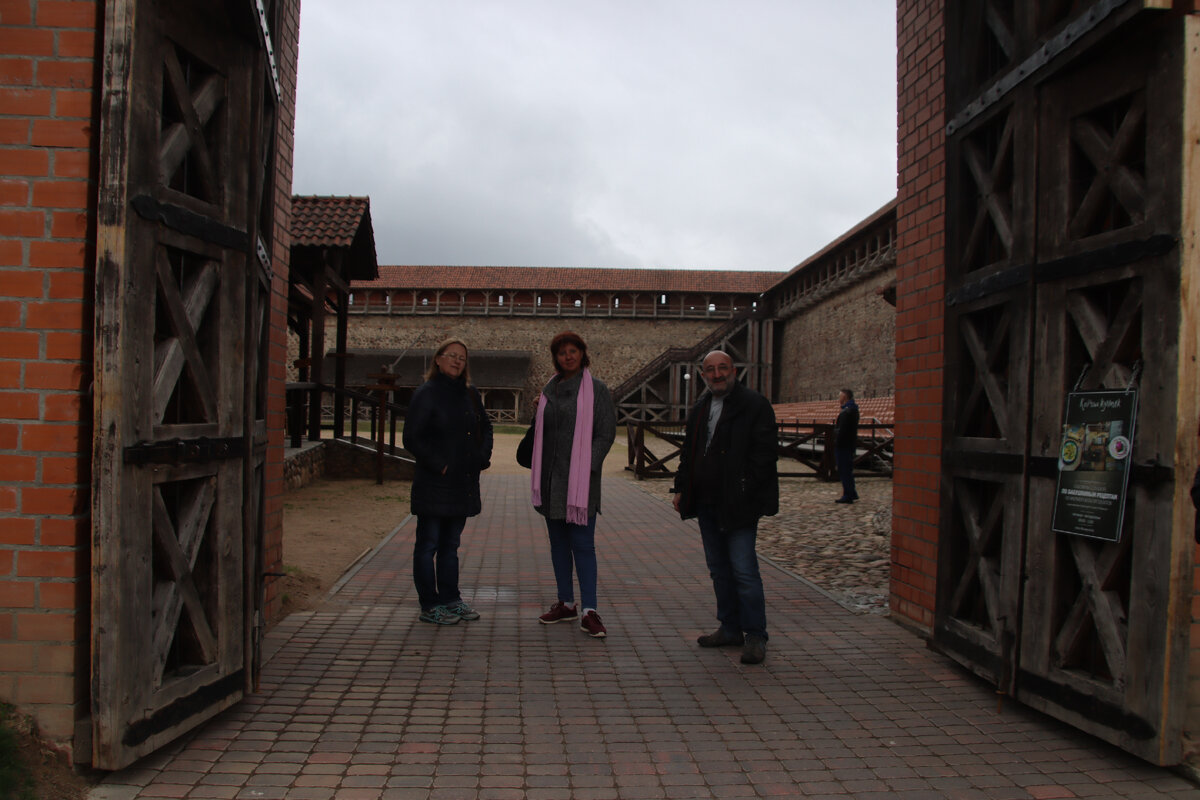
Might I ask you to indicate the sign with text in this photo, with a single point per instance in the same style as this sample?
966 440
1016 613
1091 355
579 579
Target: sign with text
1093 464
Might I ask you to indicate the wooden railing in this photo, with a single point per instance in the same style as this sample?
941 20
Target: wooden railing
349 408
652 447
505 415
345 410
643 462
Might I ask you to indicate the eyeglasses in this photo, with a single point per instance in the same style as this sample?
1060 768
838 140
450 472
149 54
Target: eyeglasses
455 357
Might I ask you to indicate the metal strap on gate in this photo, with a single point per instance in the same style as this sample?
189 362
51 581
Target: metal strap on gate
1113 255
1031 66
179 451
190 223
266 273
265 28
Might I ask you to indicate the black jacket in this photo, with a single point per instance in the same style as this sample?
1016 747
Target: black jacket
845 429
1196 502
747 444
447 428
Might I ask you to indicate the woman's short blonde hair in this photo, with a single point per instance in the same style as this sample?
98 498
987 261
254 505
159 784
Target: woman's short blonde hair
433 364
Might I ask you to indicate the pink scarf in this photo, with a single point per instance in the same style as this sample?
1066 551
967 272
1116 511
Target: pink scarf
580 476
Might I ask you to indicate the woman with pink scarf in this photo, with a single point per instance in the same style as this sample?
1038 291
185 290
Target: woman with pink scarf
574 428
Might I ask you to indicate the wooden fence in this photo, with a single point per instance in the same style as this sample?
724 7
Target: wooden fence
349 408
652 447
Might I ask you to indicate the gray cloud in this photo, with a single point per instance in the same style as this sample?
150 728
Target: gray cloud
701 134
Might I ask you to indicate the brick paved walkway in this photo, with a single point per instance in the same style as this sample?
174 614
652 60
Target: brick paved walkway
360 701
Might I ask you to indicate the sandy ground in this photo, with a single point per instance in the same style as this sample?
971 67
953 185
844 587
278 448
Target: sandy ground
330 524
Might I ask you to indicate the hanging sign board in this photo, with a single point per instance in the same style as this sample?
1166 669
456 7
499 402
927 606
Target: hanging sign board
1093 464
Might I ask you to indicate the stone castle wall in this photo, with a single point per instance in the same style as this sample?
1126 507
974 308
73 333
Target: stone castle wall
618 347
846 341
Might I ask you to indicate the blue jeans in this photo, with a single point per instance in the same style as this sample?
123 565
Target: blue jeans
437 541
573 548
733 565
845 468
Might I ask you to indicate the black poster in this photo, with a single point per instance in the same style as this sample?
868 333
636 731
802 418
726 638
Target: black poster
1093 464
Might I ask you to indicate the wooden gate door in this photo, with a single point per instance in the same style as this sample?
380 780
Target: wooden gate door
1063 272
178 433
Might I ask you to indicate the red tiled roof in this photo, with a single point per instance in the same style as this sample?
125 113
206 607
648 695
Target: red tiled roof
572 279
327 221
869 408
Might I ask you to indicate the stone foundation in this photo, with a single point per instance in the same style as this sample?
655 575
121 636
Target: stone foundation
304 465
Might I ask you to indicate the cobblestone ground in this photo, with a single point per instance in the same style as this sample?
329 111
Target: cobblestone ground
844 550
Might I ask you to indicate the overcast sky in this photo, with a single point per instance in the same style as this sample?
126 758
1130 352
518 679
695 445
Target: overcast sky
689 134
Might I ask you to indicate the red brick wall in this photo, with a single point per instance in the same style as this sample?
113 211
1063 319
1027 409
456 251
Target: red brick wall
920 232
47 75
286 52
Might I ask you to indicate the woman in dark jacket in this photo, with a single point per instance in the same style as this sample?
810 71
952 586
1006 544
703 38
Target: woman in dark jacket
450 436
574 428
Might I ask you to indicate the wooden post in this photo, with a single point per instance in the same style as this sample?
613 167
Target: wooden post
828 462
386 384
317 352
339 377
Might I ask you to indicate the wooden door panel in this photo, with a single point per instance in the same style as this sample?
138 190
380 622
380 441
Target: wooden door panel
171 434
979 555
978 563
1103 629
1063 169
1100 635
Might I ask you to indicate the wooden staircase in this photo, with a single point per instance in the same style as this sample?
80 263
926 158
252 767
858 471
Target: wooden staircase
664 389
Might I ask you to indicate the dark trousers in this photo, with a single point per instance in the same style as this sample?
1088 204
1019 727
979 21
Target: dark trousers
435 559
573 550
733 566
845 468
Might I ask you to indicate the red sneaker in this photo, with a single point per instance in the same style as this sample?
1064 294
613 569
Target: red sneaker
592 626
558 612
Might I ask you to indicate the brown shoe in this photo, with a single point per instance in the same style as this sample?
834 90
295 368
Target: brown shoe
720 638
755 650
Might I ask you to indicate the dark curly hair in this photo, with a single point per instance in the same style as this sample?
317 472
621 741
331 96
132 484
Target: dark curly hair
568 337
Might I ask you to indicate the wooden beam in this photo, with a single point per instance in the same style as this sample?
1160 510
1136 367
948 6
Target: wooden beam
334 278
1187 386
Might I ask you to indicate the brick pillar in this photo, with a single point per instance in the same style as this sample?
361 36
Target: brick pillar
286 50
47 191
920 233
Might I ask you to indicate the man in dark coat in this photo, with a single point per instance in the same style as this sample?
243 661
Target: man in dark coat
728 480
845 441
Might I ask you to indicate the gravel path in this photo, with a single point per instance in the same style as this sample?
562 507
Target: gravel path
844 550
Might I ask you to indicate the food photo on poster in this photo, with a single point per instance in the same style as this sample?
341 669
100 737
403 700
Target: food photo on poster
1093 464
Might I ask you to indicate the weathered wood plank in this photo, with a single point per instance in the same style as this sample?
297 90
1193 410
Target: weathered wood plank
172 354
112 411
